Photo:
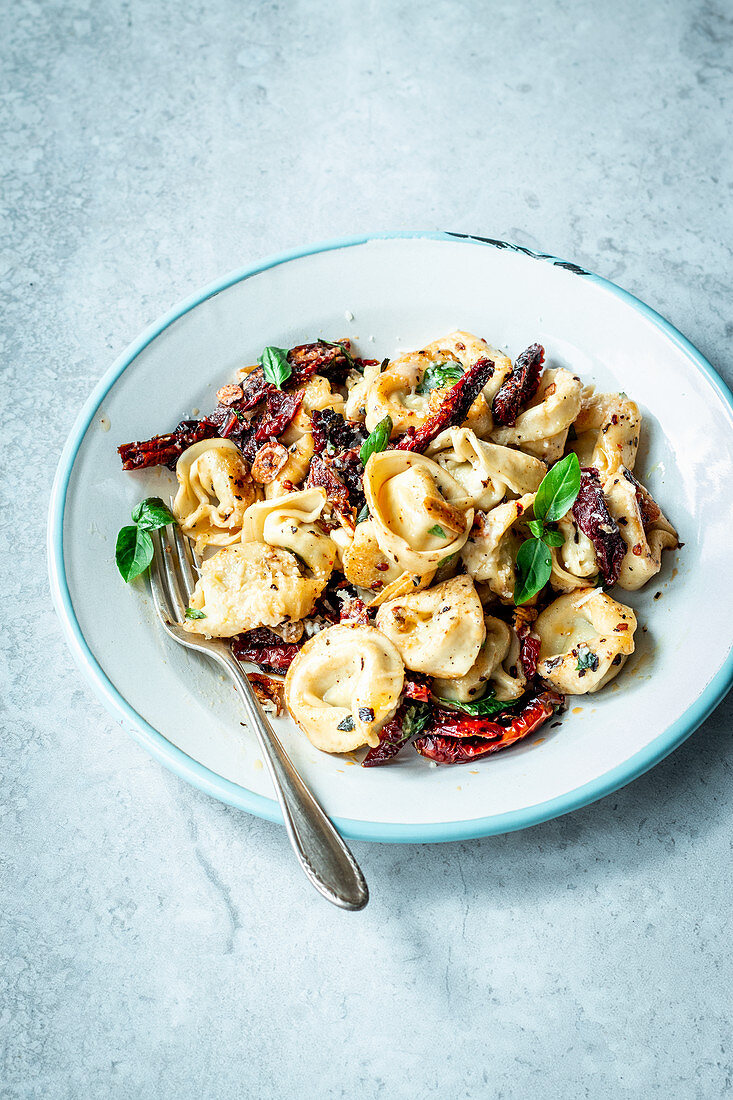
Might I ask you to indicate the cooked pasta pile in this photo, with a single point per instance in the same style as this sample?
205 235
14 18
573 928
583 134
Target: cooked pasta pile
424 547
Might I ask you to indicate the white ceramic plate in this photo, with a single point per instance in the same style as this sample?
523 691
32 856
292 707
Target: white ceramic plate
404 290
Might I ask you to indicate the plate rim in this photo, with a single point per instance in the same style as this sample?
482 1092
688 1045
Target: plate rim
231 793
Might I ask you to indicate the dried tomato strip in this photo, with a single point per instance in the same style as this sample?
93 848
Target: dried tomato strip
594 520
280 411
453 408
518 389
165 450
452 739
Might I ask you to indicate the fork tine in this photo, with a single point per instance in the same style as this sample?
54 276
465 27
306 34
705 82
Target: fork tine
189 574
175 587
158 585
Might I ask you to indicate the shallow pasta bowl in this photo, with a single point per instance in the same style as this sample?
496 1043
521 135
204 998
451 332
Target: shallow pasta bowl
388 293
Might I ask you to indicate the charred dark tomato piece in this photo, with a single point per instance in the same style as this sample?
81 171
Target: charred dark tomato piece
518 389
594 520
330 428
265 649
453 739
322 475
165 450
529 653
410 718
280 411
334 360
452 410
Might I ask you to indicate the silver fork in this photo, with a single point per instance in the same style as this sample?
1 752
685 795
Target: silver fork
321 852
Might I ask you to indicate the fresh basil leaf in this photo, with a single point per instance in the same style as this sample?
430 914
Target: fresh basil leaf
550 537
438 376
438 531
534 565
275 366
194 613
377 440
587 659
363 514
537 527
133 552
558 489
151 514
487 705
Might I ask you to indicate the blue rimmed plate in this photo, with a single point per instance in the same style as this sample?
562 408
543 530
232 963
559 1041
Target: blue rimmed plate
390 292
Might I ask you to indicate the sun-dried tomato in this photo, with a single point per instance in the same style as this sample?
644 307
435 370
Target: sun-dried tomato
333 360
529 653
452 410
417 687
322 475
280 411
165 450
518 389
594 520
264 648
454 739
395 734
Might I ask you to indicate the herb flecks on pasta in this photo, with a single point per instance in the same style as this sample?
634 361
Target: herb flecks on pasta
422 547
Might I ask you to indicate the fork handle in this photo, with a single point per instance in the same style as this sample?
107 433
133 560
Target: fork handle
321 852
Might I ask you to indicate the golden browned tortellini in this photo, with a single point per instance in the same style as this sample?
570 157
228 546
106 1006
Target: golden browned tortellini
289 522
486 471
542 428
490 553
317 394
421 515
245 586
344 684
364 563
644 528
404 393
574 564
497 667
585 638
607 428
294 471
214 490
438 631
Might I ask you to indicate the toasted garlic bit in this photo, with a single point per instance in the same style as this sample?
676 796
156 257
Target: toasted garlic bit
486 471
497 667
585 639
438 631
491 551
294 470
246 586
607 427
416 508
288 522
343 686
364 564
542 429
268 462
214 490
644 528
574 563
317 394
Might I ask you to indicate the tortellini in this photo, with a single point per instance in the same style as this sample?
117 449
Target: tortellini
289 522
364 563
215 489
644 528
245 586
607 428
486 471
585 638
343 686
439 631
357 386
295 468
490 553
574 564
497 667
421 514
542 428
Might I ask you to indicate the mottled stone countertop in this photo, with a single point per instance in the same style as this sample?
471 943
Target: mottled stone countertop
154 943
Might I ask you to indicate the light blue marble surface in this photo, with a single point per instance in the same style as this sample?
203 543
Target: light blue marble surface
155 943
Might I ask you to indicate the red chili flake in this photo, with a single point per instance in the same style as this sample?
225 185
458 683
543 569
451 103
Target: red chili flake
452 739
280 411
594 520
637 549
452 410
382 566
518 389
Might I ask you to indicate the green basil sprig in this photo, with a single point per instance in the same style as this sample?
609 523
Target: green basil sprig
556 494
378 440
344 351
439 376
194 613
480 707
438 531
275 365
134 548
